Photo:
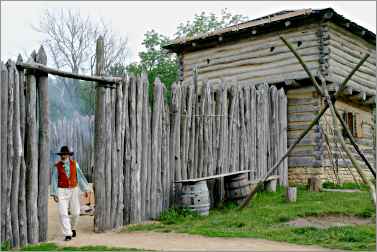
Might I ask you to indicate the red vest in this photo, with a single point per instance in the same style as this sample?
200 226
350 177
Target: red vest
63 180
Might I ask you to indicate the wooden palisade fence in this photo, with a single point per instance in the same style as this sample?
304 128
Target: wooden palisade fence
204 131
141 145
149 146
24 152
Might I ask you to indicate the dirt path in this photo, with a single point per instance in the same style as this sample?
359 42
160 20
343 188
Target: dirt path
162 241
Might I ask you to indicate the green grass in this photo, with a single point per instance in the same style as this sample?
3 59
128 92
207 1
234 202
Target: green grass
331 185
54 247
265 218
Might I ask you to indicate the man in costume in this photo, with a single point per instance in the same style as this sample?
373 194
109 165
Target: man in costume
66 178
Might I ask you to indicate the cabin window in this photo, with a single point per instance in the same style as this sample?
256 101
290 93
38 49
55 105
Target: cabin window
349 119
353 121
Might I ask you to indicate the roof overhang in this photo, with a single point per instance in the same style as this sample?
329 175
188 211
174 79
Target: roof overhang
273 22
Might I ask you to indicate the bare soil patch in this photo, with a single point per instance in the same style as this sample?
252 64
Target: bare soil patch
161 241
328 221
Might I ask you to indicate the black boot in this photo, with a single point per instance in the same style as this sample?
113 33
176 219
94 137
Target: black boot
73 233
68 238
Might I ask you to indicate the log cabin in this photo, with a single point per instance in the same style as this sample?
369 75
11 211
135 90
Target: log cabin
331 45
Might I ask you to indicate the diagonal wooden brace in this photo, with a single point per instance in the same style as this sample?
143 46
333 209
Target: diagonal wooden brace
315 121
363 176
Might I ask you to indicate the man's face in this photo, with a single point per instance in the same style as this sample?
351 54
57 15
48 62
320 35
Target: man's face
64 157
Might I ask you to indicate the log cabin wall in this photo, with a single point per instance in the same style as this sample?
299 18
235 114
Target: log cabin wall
345 50
306 158
259 58
319 154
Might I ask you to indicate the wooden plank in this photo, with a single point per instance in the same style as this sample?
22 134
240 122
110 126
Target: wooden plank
159 187
47 70
12 216
135 200
253 132
43 148
144 145
305 34
191 135
242 132
176 133
155 146
139 196
1 147
32 158
119 149
183 104
262 124
244 72
127 155
4 159
178 138
283 134
211 177
22 220
108 155
100 143
232 129
149 157
165 167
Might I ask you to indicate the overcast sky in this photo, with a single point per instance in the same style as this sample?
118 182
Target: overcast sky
133 19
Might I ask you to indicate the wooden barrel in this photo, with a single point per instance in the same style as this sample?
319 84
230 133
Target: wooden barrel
237 188
195 197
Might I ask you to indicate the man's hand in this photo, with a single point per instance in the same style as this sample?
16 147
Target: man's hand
56 199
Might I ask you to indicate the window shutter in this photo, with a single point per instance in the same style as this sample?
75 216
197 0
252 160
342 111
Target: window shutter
358 125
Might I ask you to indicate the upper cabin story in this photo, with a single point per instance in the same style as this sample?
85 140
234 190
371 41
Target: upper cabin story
330 44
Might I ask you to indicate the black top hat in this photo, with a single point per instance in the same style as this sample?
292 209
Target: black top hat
64 150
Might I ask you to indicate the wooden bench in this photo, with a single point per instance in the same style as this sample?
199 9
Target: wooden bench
194 180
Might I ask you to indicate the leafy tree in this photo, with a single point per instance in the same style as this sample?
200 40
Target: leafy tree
157 62
206 23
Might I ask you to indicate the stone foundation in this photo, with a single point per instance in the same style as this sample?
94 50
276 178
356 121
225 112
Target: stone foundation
300 175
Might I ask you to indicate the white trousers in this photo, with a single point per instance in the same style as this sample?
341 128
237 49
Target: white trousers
68 197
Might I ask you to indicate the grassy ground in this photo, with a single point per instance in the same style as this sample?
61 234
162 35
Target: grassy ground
54 247
266 215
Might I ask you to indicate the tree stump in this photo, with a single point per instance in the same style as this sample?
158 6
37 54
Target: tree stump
291 195
314 184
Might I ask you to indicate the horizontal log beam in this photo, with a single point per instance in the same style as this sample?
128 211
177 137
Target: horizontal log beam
49 70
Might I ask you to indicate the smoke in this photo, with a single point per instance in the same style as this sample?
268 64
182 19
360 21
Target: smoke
72 121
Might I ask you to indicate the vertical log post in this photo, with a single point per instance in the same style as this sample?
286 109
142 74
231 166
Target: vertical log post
10 156
291 194
4 160
22 220
2 75
31 157
99 142
314 184
17 161
44 150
